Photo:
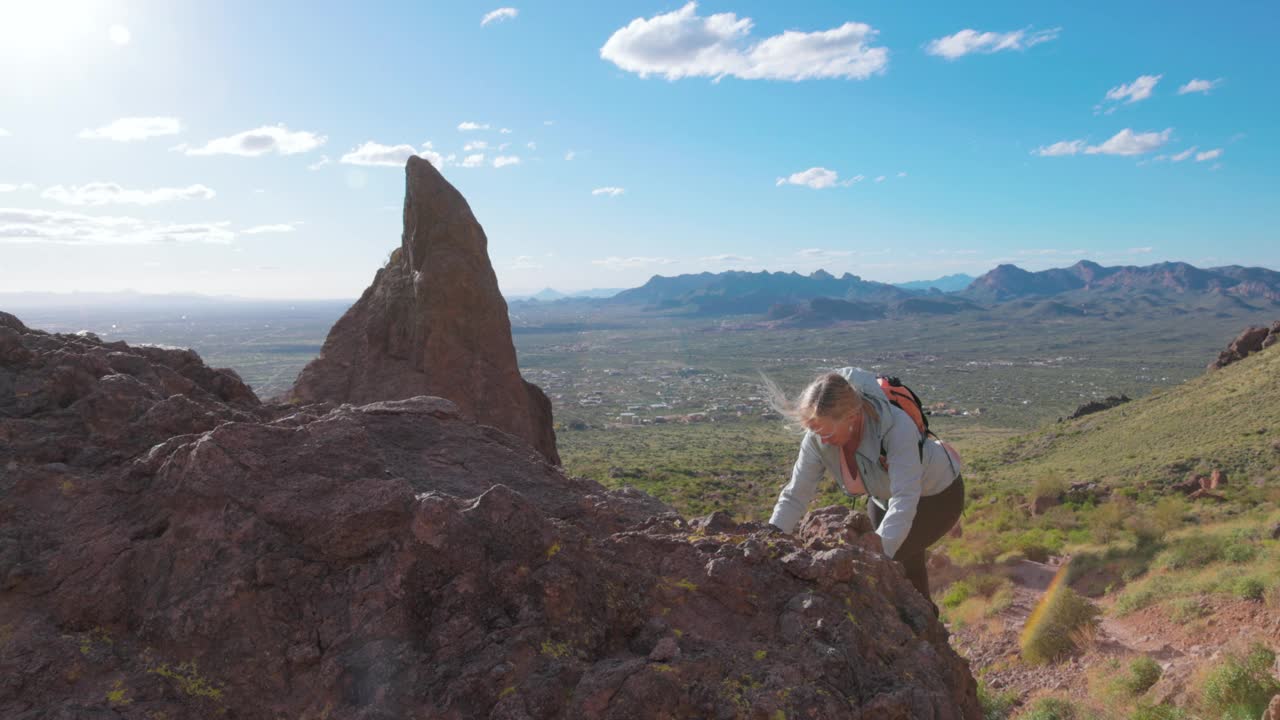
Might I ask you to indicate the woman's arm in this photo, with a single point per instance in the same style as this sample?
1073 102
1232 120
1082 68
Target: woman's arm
902 448
796 496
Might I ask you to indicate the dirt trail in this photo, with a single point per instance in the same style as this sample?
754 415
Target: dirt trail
1179 646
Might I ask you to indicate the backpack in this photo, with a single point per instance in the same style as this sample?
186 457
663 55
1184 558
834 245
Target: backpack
906 400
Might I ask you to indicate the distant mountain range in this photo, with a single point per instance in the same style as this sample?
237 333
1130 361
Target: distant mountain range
1085 278
1085 288
739 292
946 283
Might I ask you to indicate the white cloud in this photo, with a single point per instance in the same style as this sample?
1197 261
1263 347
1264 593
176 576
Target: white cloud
1139 89
13 187
260 141
475 145
728 259
108 193
134 128
548 122
817 178
505 131
1183 155
505 160
823 254
472 161
1198 85
276 228
324 160
376 154
1140 250
570 155
119 34
506 13
1127 142
5 133
531 145
23 226
611 191
683 44
1209 155
969 41
902 173
620 263
469 126
1060 148
880 178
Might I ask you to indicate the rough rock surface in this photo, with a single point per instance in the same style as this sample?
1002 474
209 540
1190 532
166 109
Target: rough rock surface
433 323
1251 340
170 548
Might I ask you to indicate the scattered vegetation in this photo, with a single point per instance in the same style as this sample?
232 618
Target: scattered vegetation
996 704
1053 628
1241 687
1051 708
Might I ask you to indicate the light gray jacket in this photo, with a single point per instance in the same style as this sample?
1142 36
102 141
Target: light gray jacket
897 491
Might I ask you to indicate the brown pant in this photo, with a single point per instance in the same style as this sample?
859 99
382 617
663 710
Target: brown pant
935 516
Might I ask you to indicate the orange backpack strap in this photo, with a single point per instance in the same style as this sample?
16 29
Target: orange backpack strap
904 398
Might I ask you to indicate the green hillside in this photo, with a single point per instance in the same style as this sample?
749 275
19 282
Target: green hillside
1227 419
1122 464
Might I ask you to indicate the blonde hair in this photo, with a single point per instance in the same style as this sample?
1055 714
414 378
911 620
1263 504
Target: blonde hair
829 396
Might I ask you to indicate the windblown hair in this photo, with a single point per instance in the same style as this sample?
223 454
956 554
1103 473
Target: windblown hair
828 396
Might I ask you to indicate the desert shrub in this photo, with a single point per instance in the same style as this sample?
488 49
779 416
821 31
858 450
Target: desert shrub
1239 552
1191 552
1242 686
1168 513
1249 588
1142 673
1145 530
982 585
1000 600
1047 486
1141 595
1036 543
959 591
1048 633
1186 609
996 705
1108 520
1050 709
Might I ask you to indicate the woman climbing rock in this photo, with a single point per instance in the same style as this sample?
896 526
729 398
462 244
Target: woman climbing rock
873 446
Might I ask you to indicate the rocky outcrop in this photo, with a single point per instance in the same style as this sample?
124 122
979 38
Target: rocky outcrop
1094 406
1251 340
433 323
174 549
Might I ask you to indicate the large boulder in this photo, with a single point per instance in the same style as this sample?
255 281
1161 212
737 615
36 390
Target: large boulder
433 323
397 560
1251 340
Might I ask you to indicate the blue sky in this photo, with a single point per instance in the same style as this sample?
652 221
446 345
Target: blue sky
255 148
